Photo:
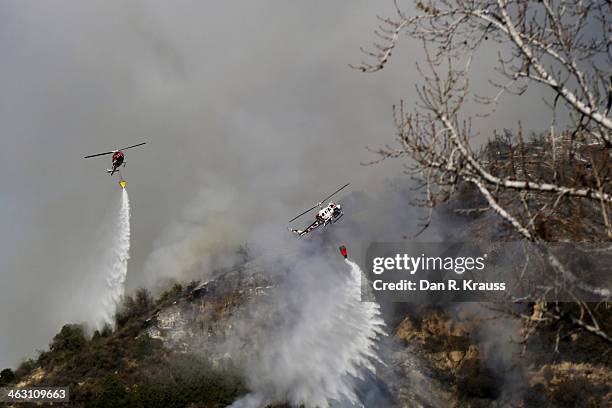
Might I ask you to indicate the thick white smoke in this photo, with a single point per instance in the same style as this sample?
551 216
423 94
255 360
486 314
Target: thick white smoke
324 340
119 255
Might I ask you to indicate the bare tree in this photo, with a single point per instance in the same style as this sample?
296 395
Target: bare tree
563 46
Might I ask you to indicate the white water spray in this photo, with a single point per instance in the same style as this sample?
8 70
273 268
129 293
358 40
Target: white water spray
327 340
119 255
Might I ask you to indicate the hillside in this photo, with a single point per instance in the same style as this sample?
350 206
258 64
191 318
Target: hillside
195 344
129 367
163 353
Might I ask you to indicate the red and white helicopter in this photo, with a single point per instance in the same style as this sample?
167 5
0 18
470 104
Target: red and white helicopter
118 157
330 214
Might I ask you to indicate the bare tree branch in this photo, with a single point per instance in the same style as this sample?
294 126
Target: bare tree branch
557 186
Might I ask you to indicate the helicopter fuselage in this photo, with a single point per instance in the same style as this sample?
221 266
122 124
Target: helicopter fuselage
329 213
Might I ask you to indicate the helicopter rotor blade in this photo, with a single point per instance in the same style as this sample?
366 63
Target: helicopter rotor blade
129 147
332 194
114 151
99 154
325 199
307 211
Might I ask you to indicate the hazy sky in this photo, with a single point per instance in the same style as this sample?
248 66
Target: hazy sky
249 110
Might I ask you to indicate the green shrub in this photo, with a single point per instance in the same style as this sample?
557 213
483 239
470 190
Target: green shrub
111 393
106 331
145 346
171 293
25 368
188 380
6 376
70 338
134 307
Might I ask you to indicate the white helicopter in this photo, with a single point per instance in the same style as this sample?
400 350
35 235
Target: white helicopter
331 213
